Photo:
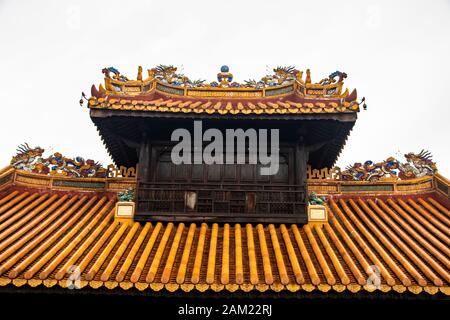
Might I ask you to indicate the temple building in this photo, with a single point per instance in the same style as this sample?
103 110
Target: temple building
280 220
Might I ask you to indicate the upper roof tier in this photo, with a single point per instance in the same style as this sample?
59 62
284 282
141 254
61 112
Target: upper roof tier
283 92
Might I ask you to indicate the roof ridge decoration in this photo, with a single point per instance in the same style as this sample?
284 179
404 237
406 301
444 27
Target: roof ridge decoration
168 74
31 160
166 78
417 165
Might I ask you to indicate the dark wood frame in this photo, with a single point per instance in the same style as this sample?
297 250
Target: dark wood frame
132 137
221 202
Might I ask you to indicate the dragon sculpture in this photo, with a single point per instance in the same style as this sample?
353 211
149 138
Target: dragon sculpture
31 160
195 83
252 83
332 78
280 76
126 196
26 156
284 75
315 199
417 165
168 74
117 76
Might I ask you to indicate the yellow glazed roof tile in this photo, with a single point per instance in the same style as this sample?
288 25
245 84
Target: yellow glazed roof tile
403 239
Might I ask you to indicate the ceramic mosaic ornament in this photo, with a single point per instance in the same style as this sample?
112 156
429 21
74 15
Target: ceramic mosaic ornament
417 165
31 160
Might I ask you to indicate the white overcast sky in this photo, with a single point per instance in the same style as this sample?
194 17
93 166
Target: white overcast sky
396 53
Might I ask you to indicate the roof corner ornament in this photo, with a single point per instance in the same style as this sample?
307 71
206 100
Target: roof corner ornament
83 96
363 102
332 78
116 74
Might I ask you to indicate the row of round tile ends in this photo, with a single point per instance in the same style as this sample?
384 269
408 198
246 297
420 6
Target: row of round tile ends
224 108
172 287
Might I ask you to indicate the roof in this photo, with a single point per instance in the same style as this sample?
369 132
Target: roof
123 109
287 104
45 231
165 91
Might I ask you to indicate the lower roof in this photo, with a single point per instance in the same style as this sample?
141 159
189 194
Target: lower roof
45 235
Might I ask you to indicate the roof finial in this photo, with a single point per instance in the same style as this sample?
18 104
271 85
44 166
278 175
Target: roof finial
139 75
224 76
308 76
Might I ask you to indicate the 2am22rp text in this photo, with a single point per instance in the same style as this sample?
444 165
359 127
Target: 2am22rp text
226 310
